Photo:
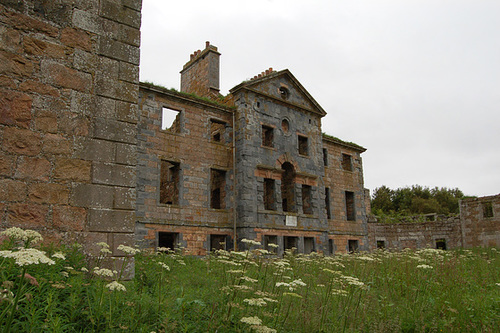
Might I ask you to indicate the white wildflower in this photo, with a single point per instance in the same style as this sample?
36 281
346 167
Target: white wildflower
235 271
83 269
163 249
251 320
424 266
65 274
292 294
250 241
255 301
116 286
162 264
103 245
128 249
59 255
273 245
282 284
103 272
105 250
365 258
28 256
263 329
248 279
33 236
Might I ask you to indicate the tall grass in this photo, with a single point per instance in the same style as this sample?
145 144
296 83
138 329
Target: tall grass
410 291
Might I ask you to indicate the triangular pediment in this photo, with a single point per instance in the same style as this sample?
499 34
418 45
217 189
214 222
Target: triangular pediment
283 87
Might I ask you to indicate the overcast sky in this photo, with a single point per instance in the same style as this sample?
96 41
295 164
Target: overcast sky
416 82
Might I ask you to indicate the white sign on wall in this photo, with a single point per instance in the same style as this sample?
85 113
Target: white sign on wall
291 221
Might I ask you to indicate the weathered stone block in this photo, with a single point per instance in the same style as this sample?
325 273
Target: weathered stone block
84 61
12 64
29 216
45 121
37 47
122 239
105 107
82 103
48 193
120 13
113 174
124 198
56 144
76 38
94 149
86 20
74 124
33 168
12 190
127 112
10 40
26 23
72 169
111 220
66 77
129 72
15 108
67 218
34 86
113 130
126 154
21 141
92 196
6 164
118 50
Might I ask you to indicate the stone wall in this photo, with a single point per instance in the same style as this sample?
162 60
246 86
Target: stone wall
480 221
68 115
197 149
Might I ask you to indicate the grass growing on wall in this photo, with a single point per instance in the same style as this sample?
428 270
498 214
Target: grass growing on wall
55 290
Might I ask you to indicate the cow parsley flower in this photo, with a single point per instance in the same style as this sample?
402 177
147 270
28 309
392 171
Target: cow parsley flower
103 272
116 286
250 241
29 256
255 301
251 320
162 264
424 266
59 255
128 249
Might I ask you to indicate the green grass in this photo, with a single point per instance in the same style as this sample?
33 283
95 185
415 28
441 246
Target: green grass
409 291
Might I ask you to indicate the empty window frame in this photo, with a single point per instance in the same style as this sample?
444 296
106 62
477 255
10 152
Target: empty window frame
346 162
380 244
327 203
267 136
170 120
167 239
271 243
350 210
217 242
303 145
487 209
288 187
306 199
325 157
353 245
441 244
269 194
217 130
331 247
217 189
169 182
290 242
309 245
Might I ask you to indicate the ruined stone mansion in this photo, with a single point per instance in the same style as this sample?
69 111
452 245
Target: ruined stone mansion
90 154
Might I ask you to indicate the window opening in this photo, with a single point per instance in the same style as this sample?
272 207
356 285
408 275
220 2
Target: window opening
169 182
267 136
284 93
217 189
349 206
306 199
487 209
217 130
217 242
288 187
327 203
290 242
285 125
170 120
325 157
303 149
353 245
271 243
331 249
308 245
269 194
380 244
346 162
167 240
441 244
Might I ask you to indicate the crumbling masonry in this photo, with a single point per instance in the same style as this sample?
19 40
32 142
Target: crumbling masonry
89 154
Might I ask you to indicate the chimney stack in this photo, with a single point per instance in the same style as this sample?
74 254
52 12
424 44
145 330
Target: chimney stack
200 75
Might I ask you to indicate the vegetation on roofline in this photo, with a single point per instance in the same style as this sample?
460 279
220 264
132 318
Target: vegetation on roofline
331 137
218 102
